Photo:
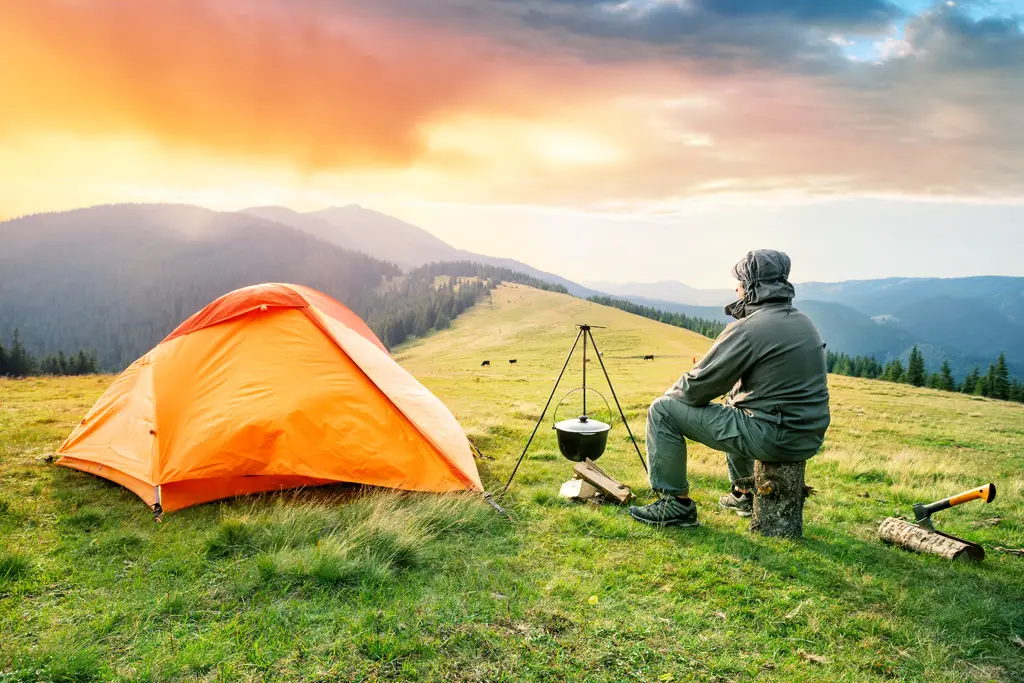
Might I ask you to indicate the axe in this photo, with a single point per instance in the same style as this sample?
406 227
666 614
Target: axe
923 513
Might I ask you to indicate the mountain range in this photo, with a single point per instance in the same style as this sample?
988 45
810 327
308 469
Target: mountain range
390 239
968 321
118 278
97 277
666 290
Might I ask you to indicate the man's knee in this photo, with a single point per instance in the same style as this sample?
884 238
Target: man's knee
671 410
661 405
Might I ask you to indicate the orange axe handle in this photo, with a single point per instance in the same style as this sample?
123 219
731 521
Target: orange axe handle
986 492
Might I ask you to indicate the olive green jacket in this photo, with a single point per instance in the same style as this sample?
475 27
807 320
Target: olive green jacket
771 361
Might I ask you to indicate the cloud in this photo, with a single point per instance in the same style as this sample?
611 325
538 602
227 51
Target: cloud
538 101
721 32
841 14
684 31
952 41
254 79
783 108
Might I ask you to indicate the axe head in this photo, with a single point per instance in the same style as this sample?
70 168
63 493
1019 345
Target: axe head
923 513
922 517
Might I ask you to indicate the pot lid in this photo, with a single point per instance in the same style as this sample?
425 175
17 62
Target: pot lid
582 425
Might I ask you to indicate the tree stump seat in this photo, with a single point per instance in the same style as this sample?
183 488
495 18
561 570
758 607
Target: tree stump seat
779 494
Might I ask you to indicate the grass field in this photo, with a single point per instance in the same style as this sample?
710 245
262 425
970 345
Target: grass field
330 584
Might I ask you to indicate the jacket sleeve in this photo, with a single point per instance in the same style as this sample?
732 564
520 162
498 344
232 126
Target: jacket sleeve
729 358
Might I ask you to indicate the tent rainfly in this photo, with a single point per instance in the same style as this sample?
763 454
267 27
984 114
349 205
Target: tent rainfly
269 387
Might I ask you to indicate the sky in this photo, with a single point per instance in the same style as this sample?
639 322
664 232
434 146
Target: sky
622 141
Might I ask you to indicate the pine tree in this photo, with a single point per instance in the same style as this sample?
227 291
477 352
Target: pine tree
946 375
916 374
984 387
971 381
19 361
3 360
422 324
1016 391
870 368
934 381
894 371
81 363
1000 386
899 374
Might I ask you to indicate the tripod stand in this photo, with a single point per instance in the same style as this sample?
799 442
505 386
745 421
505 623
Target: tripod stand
585 333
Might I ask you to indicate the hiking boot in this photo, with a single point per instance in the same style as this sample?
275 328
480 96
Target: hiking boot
667 511
740 503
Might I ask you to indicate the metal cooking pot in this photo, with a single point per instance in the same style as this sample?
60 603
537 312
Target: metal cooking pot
581 438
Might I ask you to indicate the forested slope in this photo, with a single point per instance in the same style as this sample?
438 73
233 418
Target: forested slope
117 279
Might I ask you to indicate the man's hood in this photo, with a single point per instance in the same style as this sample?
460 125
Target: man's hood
765 277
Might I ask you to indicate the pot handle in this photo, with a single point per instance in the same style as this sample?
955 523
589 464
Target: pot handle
554 413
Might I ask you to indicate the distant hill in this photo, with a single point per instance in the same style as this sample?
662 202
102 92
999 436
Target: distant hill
879 297
707 312
118 278
977 317
390 239
968 321
666 290
113 276
849 331
969 324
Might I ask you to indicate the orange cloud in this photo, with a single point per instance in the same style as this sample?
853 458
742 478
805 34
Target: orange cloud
313 90
473 103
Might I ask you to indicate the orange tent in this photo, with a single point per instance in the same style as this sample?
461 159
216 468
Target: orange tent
269 387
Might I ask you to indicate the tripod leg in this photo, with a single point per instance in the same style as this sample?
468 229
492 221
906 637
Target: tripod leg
546 405
616 398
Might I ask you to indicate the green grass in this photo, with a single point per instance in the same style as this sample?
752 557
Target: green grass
332 584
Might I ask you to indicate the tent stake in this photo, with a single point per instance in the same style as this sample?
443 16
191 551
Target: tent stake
494 504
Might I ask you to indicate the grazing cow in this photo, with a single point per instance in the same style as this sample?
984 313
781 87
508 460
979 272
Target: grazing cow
512 361
649 357
485 364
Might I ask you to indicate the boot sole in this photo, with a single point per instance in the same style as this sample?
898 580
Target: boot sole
678 523
739 513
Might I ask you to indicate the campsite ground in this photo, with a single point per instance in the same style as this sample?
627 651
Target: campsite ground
325 585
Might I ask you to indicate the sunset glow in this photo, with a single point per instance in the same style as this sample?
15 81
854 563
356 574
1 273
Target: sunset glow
635 108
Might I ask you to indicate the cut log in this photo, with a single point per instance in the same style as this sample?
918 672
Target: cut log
611 489
779 495
912 537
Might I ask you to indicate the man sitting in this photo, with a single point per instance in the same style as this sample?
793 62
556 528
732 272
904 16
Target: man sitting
773 359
